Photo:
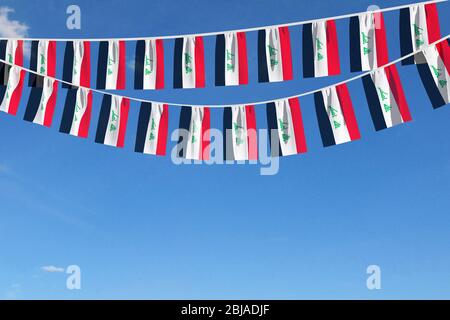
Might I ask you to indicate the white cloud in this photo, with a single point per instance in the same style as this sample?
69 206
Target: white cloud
11 28
52 269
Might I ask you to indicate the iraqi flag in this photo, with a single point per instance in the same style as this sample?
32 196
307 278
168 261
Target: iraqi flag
241 142
112 123
149 64
111 65
195 121
435 73
12 92
11 51
368 45
42 61
419 26
274 55
231 59
77 64
320 49
285 117
386 98
189 63
77 112
152 129
337 121
42 102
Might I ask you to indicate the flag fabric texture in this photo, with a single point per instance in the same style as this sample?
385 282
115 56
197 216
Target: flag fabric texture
274 55
337 121
77 112
111 65
435 74
189 63
240 136
11 51
231 59
112 123
12 92
77 64
368 45
386 98
42 61
42 102
195 121
285 117
149 64
152 129
320 49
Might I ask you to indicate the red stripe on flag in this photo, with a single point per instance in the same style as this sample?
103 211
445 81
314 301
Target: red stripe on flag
16 95
83 130
348 112
297 122
252 137
205 138
286 57
334 66
159 64
397 90
434 31
443 48
162 131
50 107
242 57
199 63
380 39
18 55
124 108
85 70
51 58
122 63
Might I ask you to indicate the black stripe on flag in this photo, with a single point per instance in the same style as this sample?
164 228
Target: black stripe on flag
68 64
263 74
308 51
144 118
430 86
326 132
185 122
139 65
3 66
220 60
228 153
102 64
178 63
373 102
69 111
355 45
103 119
33 104
406 46
272 124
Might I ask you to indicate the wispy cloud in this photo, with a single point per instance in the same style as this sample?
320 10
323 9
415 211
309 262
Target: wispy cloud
52 269
13 291
11 28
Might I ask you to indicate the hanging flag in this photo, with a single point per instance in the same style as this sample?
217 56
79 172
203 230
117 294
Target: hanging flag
42 102
285 117
231 59
241 142
195 145
435 74
368 45
11 51
77 64
189 63
386 98
320 49
152 129
149 64
111 65
12 93
274 55
335 115
112 123
77 112
42 61
419 26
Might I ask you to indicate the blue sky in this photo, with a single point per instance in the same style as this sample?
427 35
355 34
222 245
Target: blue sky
141 227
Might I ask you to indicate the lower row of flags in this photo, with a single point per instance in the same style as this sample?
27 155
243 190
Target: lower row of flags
335 114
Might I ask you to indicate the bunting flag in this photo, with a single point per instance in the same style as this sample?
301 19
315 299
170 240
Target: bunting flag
112 123
77 112
152 129
77 64
189 63
419 26
231 59
386 98
435 74
42 61
111 65
42 102
11 51
149 64
196 122
320 49
285 117
274 55
368 45
337 121
12 93
240 136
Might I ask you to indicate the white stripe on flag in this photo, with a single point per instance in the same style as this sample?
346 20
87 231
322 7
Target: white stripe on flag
151 138
11 47
195 134
47 91
239 132
419 30
273 55
285 127
335 115
112 65
368 44
112 130
188 62
13 81
439 71
42 57
231 59
78 53
150 63
81 104
319 36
